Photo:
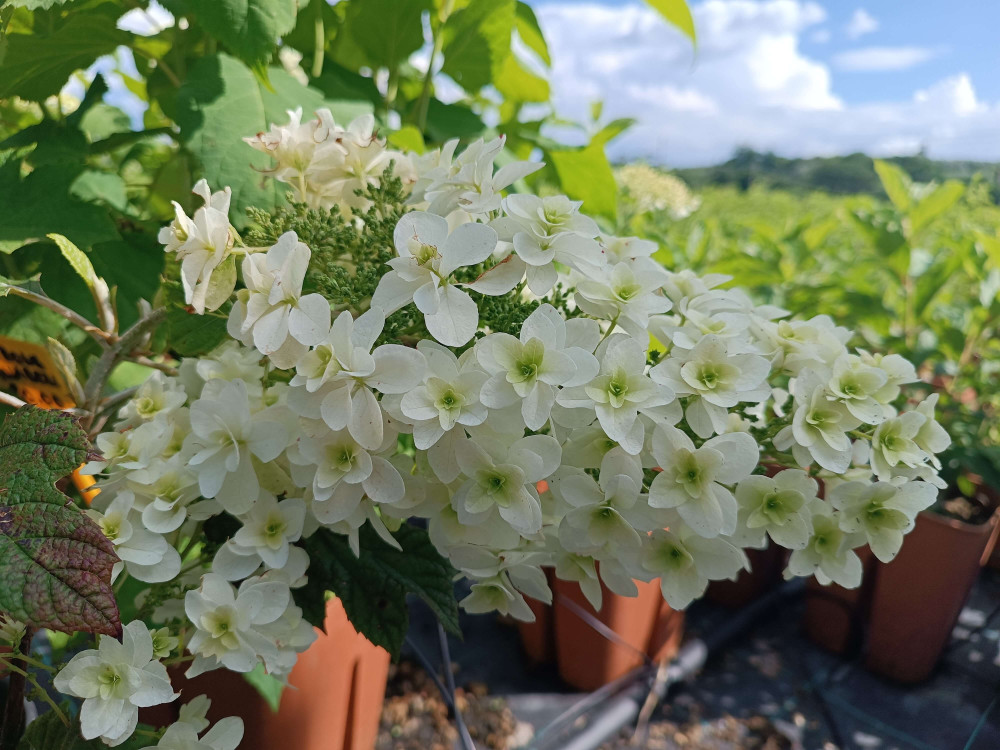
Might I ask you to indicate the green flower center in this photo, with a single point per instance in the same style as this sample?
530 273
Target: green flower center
425 254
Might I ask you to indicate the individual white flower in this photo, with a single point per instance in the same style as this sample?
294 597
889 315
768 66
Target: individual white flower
856 385
795 345
163 643
692 479
501 477
272 314
528 370
898 372
548 230
619 391
894 444
468 182
449 395
167 492
626 249
157 395
931 438
115 680
225 435
340 470
603 520
202 243
715 381
883 512
497 594
227 734
686 562
226 622
819 427
270 526
829 552
337 378
628 296
684 332
146 555
427 257
775 506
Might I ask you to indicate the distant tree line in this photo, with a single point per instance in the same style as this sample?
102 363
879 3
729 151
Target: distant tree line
849 174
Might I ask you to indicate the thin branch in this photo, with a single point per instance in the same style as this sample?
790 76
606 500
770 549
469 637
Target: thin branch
9 400
147 362
102 337
116 398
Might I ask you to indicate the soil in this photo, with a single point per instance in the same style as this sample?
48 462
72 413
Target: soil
974 511
415 717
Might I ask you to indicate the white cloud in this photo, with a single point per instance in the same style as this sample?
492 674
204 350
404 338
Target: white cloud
867 59
862 22
750 83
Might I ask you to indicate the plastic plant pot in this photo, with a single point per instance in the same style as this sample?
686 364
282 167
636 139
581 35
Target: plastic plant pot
919 595
587 658
835 617
766 566
538 638
333 702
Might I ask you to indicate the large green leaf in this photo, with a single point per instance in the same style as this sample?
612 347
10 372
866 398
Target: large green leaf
250 29
477 42
932 206
373 587
678 13
38 65
586 175
519 84
41 204
220 103
382 33
530 32
55 563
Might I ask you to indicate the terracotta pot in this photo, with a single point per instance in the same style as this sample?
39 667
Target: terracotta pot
919 595
538 637
587 658
668 632
834 617
333 702
766 566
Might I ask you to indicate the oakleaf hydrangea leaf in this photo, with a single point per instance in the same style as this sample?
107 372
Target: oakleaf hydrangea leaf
55 563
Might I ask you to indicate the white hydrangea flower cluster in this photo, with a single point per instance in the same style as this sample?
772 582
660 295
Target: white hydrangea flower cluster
643 424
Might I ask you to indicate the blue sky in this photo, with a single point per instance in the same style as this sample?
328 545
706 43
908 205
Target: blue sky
801 77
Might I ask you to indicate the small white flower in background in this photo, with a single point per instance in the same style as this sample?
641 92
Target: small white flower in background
528 370
775 506
163 643
115 680
716 380
272 314
428 254
628 296
881 511
686 562
270 526
337 378
292 146
224 437
828 554
497 594
167 492
226 622
202 244
898 372
625 249
692 479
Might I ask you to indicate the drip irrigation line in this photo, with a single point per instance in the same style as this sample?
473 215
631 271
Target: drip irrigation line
463 730
979 724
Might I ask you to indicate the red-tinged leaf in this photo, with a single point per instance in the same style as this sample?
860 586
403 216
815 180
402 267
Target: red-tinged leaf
55 563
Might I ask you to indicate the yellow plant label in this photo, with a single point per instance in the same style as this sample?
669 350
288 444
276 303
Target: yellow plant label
28 372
